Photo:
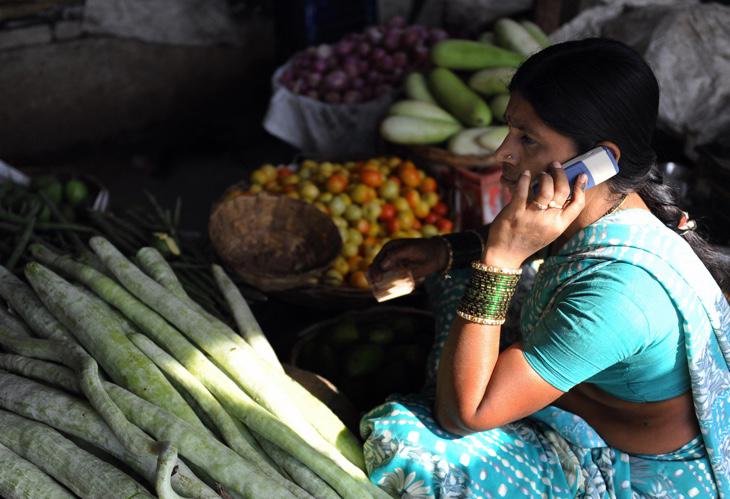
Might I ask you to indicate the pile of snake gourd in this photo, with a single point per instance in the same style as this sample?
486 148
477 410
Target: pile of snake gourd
114 383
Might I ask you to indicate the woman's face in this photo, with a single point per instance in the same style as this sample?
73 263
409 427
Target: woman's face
530 144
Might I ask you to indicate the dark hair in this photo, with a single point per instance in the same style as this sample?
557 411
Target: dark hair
598 89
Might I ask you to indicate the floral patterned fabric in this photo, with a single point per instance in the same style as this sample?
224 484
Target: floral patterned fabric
554 453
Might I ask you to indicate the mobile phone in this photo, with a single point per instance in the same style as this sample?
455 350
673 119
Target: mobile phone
598 164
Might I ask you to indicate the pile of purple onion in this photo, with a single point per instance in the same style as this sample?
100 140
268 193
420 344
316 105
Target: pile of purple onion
362 66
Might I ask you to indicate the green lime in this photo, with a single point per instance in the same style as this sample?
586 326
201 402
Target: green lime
364 359
53 191
76 192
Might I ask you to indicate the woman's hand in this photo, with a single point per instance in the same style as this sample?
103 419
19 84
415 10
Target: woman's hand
527 225
421 256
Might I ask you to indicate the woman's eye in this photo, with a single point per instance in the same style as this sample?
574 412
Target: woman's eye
527 140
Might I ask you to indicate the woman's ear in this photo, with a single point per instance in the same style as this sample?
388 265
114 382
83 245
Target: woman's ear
613 148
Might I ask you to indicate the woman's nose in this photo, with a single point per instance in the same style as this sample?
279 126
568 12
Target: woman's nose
504 152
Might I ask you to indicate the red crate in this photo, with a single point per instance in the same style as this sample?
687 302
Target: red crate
476 196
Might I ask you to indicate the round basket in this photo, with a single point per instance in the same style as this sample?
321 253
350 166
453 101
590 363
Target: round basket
274 243
441 156
338 349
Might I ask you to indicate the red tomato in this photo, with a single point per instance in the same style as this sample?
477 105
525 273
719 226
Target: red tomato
363 226
445 225
431 218
284 172
393 225
336 184
428 185
372 178
410 177
440 209
387 212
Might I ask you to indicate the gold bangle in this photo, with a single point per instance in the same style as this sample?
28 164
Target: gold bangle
480 320
495 270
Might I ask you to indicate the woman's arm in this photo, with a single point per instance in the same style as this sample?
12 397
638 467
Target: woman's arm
479 389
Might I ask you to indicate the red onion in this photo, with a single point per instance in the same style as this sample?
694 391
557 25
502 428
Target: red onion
378 54
385 64
437 34
351 97
363 66
358 83
363 48
320 65
324 51
344 47
400 59
335 80
312 94
374 34
352 69
392 39
314 79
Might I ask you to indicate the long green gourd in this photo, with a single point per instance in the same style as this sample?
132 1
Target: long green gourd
26 304
13 324
37 369
81 472
245 321
220 462
76 417
20 479
235 401
104 338
225 423
240 361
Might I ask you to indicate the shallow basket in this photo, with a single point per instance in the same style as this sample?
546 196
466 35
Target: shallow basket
274 243
397 374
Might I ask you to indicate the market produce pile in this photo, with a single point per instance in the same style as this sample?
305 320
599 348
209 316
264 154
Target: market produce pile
361 66
370 202
442 106
117 356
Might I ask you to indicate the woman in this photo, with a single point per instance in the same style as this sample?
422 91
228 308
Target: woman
619 385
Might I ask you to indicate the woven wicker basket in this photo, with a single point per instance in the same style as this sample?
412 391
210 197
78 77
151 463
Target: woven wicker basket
274 243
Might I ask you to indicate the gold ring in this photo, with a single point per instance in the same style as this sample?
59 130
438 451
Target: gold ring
540 206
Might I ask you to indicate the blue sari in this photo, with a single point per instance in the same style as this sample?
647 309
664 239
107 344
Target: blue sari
554 453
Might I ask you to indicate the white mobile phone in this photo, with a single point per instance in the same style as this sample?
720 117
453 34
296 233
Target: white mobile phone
598 164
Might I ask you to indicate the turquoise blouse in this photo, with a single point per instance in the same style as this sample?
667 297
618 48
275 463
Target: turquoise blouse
616 328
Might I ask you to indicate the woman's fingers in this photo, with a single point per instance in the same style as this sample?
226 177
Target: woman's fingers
561 186
578 201
545 191
522 190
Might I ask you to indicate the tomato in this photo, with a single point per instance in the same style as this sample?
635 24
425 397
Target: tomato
406 219
387 212
396 180
372 178
392 225
431 218
336 184
361 194
413 198
440 209
358 280
428 185
416 224
283 172
363 226
421 209
445 226
410 177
